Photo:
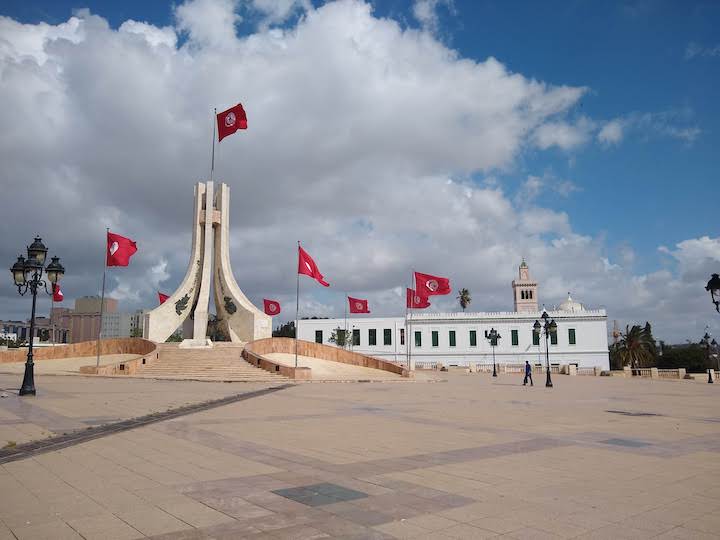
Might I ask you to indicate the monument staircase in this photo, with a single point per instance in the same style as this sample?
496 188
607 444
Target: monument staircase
223 362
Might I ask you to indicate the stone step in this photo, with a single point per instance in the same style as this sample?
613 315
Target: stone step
207 365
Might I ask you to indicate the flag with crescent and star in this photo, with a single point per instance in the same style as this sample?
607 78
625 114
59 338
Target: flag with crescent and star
58 295
415 301
119 250
272 307
358 305
307 267
429 285
228 122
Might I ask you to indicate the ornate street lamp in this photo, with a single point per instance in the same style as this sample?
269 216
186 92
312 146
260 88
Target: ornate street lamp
709 346
547 328
28 276
714 287
493 337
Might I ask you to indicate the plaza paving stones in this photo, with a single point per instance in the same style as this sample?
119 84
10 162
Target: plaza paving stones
470 458
67 404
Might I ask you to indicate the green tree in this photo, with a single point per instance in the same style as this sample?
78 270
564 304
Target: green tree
176 337
692 357
136 332
340 337
651 338
464 298
636 347
285 330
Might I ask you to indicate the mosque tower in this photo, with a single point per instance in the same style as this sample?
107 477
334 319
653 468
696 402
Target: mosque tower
525 290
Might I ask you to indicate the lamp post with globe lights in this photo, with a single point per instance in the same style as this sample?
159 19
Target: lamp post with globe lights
546 328
493 337
711 351
28 276
713 286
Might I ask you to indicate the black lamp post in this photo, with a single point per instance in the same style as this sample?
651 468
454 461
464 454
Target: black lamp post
493 337
705 342
714 287
547 328
28 276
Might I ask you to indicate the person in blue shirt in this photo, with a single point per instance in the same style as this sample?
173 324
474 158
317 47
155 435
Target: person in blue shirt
528 374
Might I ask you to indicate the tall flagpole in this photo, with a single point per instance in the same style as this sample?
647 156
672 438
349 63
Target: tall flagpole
102 298
52 307
212 163
345 343
412 305
407 357
297 309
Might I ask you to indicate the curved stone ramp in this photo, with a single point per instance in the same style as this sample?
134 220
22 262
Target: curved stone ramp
80 357
318 362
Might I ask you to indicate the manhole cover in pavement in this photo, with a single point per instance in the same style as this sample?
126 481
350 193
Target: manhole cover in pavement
320 494
626 442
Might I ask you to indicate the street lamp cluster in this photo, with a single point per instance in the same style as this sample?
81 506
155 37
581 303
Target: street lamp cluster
28 276
492 336
546 328
711 349
713 286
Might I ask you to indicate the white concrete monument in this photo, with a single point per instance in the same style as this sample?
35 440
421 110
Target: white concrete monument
209 268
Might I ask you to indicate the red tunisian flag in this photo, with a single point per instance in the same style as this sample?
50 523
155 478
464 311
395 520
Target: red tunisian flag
119 250
307 266
415 301
428 285
58 295
358 306
162 297
272 307
228 122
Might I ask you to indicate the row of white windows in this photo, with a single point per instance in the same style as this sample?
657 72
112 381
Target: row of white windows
435 337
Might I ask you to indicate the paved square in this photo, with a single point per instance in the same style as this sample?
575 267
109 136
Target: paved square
473 457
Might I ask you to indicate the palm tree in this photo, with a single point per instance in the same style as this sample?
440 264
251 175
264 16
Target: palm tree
464 298
636 347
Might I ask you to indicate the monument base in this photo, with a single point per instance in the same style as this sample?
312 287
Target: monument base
196 344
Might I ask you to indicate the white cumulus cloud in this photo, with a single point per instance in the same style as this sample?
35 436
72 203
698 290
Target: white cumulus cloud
363 139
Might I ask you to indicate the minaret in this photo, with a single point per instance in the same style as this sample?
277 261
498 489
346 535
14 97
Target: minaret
525 290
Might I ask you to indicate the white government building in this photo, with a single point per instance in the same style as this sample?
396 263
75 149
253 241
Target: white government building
459 338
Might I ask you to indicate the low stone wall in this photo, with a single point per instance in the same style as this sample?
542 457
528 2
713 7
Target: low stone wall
291 372
650 373
139 346
258 348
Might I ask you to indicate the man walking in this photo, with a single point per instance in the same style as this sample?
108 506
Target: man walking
528 374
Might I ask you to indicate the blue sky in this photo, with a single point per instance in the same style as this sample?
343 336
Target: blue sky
652 189
589 192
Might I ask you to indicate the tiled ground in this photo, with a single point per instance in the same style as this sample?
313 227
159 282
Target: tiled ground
470 458
63 366
69 403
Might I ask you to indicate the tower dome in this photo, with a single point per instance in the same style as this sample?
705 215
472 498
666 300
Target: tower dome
571 305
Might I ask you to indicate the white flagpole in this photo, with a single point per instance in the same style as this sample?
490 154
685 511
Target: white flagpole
297 308
212 163
407 357
345 343
102 298
412 306
52 307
